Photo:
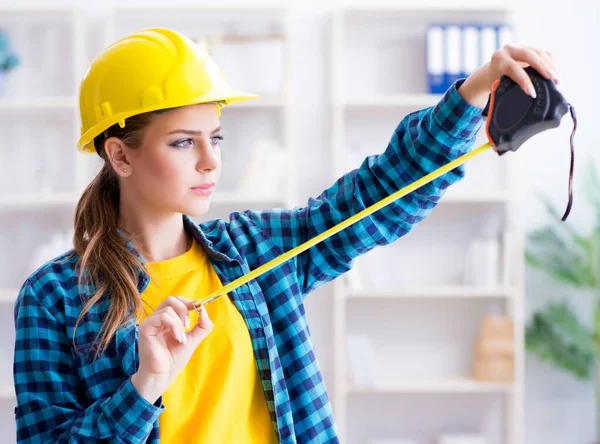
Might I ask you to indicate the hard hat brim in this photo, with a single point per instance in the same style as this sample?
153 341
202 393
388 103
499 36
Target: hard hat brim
85 142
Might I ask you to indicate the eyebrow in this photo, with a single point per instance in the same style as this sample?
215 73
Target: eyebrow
194 133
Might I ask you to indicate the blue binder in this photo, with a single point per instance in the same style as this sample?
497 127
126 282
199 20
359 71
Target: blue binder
470 49
435 59
453 52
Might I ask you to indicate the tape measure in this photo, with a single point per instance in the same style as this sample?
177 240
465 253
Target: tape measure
512 117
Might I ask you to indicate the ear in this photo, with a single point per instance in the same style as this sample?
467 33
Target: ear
116 152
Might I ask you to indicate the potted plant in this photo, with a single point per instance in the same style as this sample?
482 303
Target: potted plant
8 60
555 334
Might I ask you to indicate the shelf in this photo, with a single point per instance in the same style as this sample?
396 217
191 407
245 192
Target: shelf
46 103
431 6
476 198
29 9
201 8
32 201
8 296
416 101
262 101
435 292
434 386
70 103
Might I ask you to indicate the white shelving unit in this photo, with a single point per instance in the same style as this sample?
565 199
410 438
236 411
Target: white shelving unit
40 124
422 317
40 127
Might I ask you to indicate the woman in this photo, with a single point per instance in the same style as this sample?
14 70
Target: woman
108 347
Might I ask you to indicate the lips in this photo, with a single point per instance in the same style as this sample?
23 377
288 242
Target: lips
204 189
205 186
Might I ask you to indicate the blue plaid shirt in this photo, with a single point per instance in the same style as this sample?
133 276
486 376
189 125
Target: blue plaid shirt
63 396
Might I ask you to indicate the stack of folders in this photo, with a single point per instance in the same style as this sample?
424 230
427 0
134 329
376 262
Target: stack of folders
454 51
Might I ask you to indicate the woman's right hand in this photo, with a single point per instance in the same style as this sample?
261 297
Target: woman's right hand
165 347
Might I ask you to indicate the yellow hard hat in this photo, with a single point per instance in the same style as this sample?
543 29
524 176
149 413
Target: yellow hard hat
152 69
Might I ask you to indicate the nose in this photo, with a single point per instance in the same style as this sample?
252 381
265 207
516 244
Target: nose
208 157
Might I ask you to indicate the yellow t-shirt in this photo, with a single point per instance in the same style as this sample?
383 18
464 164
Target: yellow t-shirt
217 397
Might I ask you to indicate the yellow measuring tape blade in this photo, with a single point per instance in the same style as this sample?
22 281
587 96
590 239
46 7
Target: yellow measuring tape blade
342 225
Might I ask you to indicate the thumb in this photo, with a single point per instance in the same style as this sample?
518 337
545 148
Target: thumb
202 329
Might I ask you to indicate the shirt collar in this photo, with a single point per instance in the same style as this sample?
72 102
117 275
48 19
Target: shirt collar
212 237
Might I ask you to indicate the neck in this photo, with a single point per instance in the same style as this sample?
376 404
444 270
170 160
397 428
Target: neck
156 236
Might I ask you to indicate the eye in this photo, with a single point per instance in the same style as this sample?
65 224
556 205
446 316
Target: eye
216 139
182 143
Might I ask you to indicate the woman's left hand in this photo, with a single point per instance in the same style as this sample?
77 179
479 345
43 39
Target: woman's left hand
510 60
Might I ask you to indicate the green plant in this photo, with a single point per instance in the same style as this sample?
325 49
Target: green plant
8 60
556 334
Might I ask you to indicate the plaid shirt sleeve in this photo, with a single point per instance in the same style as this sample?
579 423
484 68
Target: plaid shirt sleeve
48 409
422 142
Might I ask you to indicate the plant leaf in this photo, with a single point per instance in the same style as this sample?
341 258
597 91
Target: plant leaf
569 231
568 325
549 252
557 336
556 271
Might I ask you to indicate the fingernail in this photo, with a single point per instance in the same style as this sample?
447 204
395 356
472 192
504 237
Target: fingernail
184 336
531 91
180 337
187 322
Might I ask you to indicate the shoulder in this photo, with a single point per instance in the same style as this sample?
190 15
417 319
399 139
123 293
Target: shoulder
52 284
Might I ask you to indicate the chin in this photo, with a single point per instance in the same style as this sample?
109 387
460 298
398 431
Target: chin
198 209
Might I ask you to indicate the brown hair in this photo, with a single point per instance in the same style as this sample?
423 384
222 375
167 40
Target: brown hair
105 261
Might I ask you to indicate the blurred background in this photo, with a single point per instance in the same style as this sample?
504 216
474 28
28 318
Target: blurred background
498 344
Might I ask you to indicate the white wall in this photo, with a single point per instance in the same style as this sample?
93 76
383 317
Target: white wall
558 408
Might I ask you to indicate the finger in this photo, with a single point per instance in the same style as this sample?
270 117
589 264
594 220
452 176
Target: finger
548 57
188 306
200 330
178 304
204 320
170 311
153 325
551 61
528 55
512 69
